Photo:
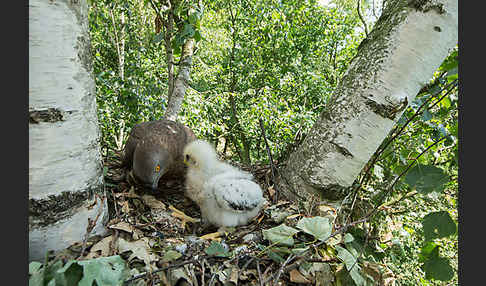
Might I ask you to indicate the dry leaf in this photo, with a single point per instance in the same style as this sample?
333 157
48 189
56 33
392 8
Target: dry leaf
102 248
125 226
297 277
153 203
271 192
293 216
131 194
327 211
125 207
373 270
140 249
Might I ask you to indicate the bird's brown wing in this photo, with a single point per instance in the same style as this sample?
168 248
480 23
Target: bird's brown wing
136 135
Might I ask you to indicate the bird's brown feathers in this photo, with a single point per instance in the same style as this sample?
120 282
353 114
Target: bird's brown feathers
157 142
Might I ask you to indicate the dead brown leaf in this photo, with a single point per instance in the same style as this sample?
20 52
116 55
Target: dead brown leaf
297 277
125 207
125 226
100 249
153 203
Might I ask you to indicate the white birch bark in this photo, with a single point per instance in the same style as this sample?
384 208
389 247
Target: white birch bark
400 55
180 83
65 169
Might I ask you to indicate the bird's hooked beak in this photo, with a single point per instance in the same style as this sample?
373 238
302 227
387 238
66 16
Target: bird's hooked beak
155 183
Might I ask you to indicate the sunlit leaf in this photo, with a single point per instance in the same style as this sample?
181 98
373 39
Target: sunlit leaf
438 225
426 178
438 269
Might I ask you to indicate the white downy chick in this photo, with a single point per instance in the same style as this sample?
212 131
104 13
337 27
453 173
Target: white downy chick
226 195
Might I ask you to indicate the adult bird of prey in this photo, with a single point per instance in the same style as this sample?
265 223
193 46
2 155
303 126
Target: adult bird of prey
226 195
154 149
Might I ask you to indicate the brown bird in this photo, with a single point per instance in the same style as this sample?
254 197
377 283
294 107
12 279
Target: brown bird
154 149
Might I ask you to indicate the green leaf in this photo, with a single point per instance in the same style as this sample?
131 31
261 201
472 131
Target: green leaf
357 277
281 234
197 36
438 225
110 270
426 178
69 275
34 267
426 116
319 227
274 256
438 269
348 238
36 274
217 249
429 250
171 255
349 260
159 37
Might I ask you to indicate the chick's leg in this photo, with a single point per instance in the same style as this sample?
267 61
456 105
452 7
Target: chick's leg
181 215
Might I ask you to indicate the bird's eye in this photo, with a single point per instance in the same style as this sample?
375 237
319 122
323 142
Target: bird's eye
187 157
157 168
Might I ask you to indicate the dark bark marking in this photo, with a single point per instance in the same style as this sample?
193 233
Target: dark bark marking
427 5
342 150
48 115
386 111
43 212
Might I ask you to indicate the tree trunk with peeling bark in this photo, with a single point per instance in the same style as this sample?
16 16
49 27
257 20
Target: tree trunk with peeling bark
181 81
406 46
65 167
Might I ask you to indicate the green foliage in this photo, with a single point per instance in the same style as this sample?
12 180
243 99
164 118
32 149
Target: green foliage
110 270
426 178
171 255
319 227
434 177
217 249
281 234
438 225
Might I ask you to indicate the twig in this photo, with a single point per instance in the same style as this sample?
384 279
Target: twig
362 19
377 155
203 270
219 269
392 202
259 274
281 270
384 194
272 166
367 174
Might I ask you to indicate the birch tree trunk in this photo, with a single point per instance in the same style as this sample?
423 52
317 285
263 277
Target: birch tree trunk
65 170
407 44
180 83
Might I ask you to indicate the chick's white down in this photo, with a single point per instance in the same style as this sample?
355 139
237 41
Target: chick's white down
226 195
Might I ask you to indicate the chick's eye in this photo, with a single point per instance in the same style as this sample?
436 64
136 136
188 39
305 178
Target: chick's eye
187 157
157 168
